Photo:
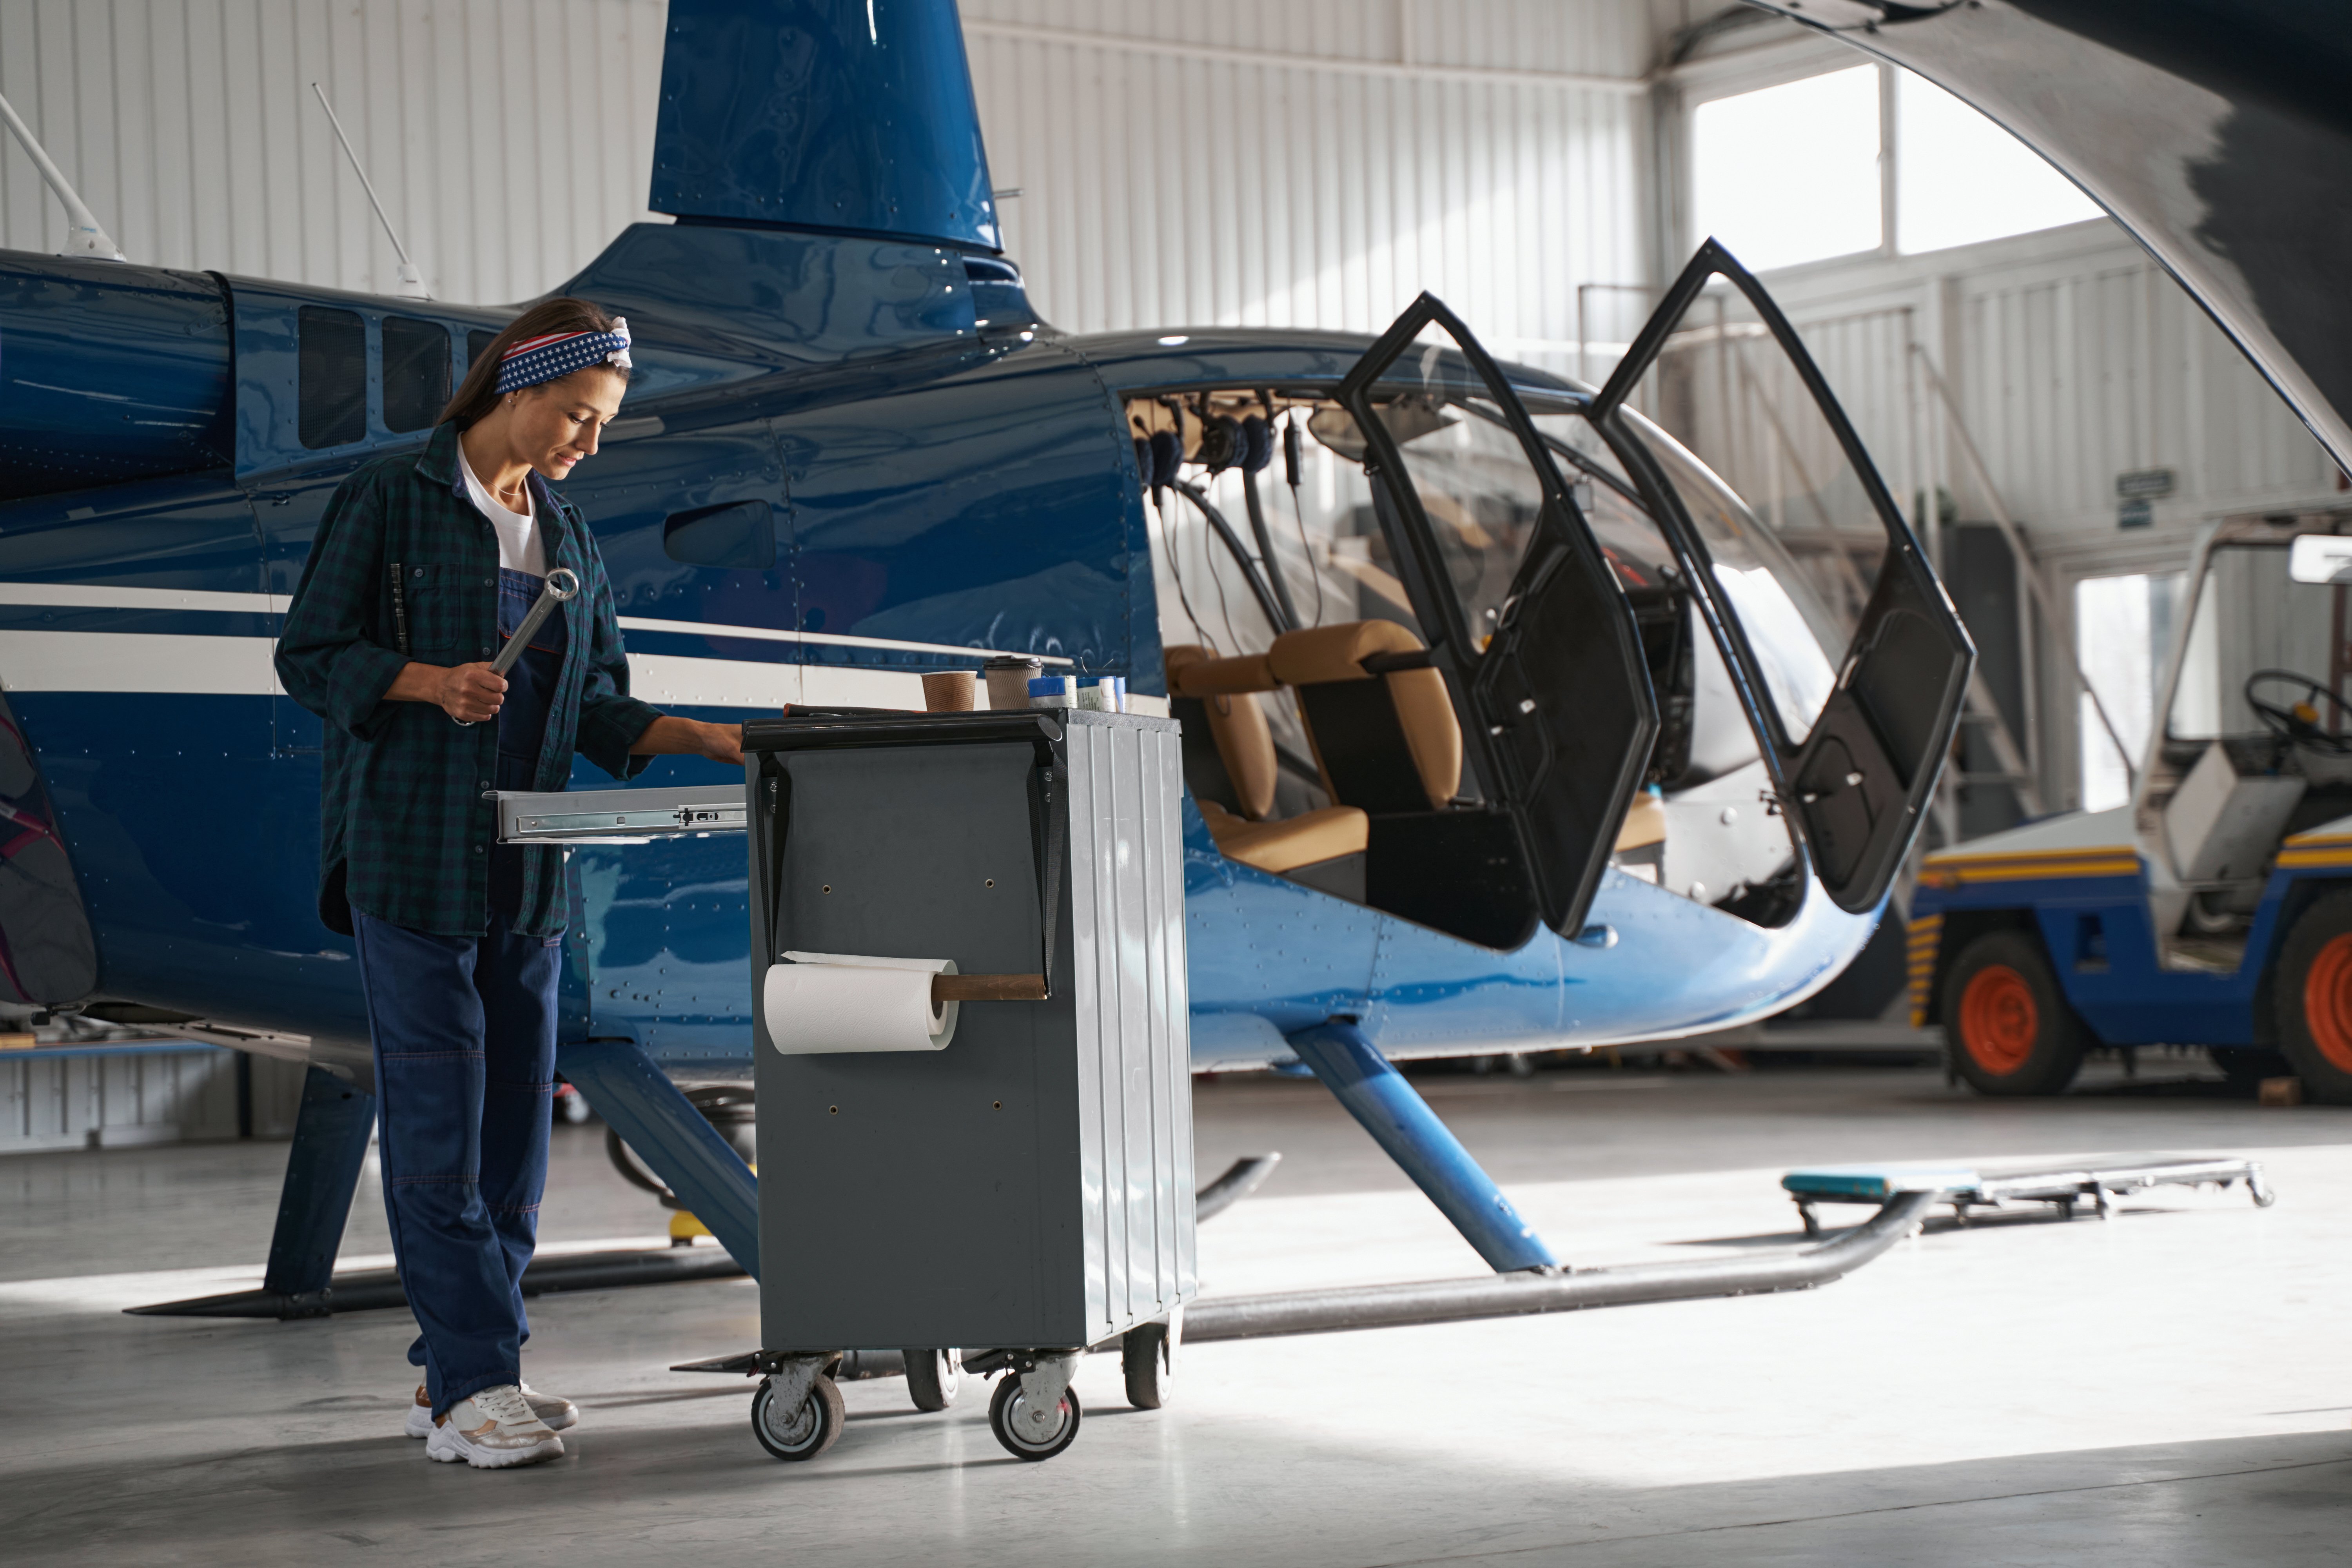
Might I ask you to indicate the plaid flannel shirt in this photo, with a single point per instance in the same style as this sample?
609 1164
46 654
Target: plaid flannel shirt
404 833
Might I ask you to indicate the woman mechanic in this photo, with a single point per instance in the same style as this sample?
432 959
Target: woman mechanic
423 564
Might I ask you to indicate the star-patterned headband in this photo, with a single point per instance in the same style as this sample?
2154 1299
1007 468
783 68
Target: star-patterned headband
535 359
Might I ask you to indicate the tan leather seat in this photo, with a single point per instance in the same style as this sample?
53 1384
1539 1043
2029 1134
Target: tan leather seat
1222 692
1646 824
1386 741
1237 727
1307 839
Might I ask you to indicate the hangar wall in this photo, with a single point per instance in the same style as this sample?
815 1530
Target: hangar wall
508 140
1319 163
1314 164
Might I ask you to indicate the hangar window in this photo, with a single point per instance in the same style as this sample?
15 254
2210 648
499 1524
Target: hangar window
331 363
1960 178
1871 159
415 372
1790 174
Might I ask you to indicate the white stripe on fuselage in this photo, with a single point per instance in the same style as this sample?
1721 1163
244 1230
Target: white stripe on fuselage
101 596
44 661
170 664
160 662
826 639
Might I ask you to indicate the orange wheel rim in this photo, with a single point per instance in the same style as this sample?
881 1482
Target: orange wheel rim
2000 1022
2327 1002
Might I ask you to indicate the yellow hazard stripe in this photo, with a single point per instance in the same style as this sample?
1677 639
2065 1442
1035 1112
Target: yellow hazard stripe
2303 858
2025 868
1922 937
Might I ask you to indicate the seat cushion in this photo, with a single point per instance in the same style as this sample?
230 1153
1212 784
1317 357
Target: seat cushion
1295 841
1211 699
1404 753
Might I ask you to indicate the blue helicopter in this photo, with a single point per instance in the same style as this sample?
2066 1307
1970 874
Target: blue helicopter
1509 722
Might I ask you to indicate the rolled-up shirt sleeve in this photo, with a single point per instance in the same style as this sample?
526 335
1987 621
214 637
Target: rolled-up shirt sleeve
327 658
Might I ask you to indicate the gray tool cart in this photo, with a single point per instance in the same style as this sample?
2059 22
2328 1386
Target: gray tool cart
975 1130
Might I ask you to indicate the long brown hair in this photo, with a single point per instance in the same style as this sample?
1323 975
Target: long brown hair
480 391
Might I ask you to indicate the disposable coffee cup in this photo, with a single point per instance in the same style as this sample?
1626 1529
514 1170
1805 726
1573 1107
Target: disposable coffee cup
1008 680
948 691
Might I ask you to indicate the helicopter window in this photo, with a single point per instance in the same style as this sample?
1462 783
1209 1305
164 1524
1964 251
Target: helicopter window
1480 496
415 372
477 344
1787 522
741 536
331 363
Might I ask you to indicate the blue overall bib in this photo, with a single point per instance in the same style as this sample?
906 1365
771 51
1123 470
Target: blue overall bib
465 1049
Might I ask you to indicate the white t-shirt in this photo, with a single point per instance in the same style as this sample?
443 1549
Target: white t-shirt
519 546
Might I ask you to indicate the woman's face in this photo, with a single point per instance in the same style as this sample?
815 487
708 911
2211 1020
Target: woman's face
556 423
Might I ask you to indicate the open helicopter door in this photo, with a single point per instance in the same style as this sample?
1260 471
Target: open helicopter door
1832 609
1522 614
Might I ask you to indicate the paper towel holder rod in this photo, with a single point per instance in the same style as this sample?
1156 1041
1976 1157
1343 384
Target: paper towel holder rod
987 988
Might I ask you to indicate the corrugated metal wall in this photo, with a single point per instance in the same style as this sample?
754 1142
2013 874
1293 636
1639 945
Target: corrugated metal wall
111 1097
509 141
2072 376
1313 164
1317 164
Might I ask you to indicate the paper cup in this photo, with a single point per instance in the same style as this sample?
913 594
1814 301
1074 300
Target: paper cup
948 691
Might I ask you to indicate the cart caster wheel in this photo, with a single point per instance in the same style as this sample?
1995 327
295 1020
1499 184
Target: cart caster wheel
1148 1357
802 1434
2261 1191
933 1378
1027 1433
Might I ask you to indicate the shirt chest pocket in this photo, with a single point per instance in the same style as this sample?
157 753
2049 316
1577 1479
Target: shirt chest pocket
451 612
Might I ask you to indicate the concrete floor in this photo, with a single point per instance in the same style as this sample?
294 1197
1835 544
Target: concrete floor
2173 1387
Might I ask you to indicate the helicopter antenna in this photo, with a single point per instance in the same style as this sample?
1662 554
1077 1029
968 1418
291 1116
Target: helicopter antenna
412 283
83 232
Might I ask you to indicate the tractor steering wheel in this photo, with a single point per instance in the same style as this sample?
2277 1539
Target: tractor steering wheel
2299 722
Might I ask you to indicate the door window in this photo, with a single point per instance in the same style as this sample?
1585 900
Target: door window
1838 620
1521 607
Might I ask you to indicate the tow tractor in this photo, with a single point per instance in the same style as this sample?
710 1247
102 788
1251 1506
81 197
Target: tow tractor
2216 909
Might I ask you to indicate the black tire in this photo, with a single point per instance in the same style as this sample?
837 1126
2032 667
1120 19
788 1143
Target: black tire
2007 1027
802 1434
934 1378
1145 1359
2247 1066
2312 997
1019 1444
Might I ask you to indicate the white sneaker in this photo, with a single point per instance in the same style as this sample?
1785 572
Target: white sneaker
554 1412
493 1430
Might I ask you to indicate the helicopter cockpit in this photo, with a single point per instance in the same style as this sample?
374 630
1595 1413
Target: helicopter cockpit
1321 744
1502 636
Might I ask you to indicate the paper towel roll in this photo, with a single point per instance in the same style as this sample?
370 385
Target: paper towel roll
819 1003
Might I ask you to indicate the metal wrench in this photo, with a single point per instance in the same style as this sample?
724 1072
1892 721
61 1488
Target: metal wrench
563 584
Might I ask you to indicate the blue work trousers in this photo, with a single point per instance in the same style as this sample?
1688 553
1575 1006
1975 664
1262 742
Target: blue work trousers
464 1069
